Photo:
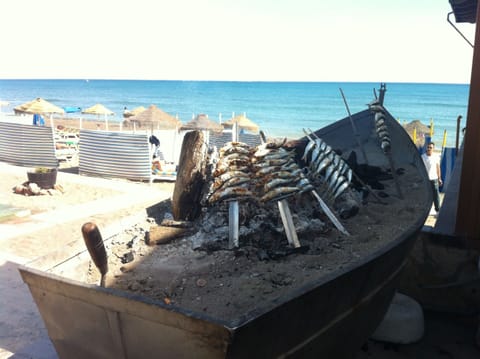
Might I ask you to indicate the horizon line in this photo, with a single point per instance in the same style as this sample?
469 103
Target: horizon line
244 81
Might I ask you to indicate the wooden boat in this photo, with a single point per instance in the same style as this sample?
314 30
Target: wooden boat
330 317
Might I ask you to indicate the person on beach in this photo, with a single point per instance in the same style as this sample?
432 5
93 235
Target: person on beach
432 164
158 161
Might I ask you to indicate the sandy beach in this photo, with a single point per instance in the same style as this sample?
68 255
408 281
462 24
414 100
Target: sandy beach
48 223
74 124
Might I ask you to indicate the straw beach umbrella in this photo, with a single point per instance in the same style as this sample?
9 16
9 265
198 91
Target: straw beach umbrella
99 110
202 122
417 131
39 106
133 112
153 116
243 123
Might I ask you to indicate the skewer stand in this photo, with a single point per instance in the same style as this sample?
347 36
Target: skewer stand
287 220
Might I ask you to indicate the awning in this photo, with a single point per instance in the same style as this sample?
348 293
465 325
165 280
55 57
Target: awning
464 10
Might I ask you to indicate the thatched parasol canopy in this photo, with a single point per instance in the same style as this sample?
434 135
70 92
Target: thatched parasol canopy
38 106
134 112
202 122
421 128
153 116
421 131
98 109
242 122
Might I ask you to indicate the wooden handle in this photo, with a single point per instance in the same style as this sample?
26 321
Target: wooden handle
94 242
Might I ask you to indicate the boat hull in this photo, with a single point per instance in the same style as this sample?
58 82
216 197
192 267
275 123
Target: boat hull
330 317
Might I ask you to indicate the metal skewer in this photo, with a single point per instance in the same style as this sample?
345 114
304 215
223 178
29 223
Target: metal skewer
330 214
353 172
354 128
285 214
233 210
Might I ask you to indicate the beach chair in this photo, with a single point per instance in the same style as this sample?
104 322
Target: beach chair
165 171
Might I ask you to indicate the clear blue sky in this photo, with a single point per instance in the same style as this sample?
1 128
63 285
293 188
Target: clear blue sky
273 40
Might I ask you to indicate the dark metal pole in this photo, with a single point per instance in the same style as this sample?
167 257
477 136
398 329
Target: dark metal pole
354 128
459 119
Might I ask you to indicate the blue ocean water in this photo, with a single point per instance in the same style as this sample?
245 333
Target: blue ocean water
280 108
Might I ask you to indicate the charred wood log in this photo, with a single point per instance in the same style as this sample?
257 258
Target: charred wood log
191 177
164 234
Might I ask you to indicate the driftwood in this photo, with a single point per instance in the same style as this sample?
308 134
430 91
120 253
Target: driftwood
164 234
190 178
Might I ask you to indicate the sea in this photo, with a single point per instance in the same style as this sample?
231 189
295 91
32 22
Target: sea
281 109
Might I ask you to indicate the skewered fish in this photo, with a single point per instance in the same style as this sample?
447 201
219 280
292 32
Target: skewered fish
230 193
231 176
277 174
325 164
381 127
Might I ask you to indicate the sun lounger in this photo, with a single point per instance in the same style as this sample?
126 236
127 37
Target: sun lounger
168 172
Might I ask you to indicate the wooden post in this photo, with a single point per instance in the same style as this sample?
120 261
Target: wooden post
287 221
468 211
190 177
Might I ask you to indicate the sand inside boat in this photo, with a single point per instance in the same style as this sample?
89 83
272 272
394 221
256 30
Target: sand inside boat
226 284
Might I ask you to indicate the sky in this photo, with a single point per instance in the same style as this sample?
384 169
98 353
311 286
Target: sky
237 40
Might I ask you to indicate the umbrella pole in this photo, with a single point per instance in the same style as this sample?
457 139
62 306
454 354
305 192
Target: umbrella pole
174 152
